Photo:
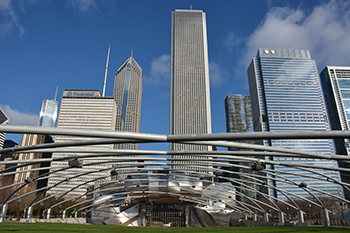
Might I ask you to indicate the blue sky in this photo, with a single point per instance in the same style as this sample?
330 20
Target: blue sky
49 43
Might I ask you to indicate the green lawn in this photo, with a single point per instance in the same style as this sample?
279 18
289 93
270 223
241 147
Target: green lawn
62 227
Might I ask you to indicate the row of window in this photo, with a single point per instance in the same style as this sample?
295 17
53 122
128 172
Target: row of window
297 117
289 82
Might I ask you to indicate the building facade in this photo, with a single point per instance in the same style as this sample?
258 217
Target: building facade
128 94
189 93
82 109
48 113
4 120
336 88
32 171
239 118
238 111
286 95
9 179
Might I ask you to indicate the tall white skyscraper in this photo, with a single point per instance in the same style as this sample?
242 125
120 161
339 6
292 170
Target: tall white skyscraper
189 94
82 109
286 95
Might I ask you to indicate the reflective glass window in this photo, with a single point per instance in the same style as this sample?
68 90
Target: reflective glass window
345 94
344 83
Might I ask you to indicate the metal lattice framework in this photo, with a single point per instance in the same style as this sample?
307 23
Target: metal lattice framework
144 166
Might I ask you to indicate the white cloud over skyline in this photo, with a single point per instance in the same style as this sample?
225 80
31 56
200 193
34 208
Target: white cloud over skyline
232 40
325 32
160 70
83 6
20 118
216 74
7 10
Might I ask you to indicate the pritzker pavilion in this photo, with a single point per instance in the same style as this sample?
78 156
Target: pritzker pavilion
144 188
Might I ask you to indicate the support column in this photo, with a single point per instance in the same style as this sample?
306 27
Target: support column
245 216
63 214
3 212
141 219
281 216
48 213
29 212
75 214
255 217
188 216
266 217
326 219
300 216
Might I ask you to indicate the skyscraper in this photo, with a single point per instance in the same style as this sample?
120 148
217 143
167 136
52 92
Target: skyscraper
4 120
189 93
48 113
238 114
30 140
286 95
9 179
336 88
127 94
239 118
82 109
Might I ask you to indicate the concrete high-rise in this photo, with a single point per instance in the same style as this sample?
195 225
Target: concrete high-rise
4 120
128 94
31 140
189 93
286 95
82 109
336 88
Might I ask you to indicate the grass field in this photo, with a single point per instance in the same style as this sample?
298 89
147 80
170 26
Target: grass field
62 227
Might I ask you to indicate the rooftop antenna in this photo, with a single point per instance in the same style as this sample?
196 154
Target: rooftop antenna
56 93
104 83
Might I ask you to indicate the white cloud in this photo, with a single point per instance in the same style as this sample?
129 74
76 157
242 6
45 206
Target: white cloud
160 70
232 41
7 10
20 118
216 74
325 32
83 6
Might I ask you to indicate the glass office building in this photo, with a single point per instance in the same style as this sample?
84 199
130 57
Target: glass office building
189 93
127 94
336 88
238 114
286 95
239 118
48 113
